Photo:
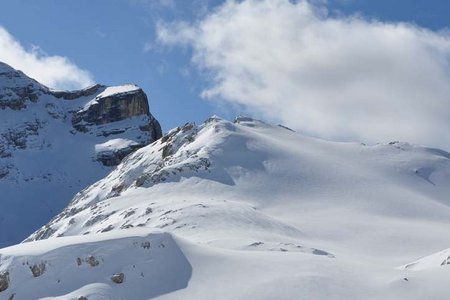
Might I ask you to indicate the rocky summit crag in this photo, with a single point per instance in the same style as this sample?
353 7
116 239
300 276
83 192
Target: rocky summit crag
54 143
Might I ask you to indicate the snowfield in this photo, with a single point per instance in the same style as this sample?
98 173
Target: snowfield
248 210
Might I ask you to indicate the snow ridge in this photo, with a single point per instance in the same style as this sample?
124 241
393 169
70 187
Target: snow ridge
246 199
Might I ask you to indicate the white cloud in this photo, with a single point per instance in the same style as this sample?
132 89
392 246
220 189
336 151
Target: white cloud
54 71
343 78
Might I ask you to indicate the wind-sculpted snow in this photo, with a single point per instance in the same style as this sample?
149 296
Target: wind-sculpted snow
258 204
45 157
148 265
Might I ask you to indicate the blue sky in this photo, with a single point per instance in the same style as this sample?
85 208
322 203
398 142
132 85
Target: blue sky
110 39
116 42
428 13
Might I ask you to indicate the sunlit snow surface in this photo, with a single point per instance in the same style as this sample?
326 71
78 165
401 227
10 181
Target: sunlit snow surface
249 211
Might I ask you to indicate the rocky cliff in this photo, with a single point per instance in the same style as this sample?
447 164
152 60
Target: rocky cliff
54 143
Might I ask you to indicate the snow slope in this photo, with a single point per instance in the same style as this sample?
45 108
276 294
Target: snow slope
44 159
261 212
83 266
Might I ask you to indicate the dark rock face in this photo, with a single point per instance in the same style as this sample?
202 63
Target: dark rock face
4 281
112 109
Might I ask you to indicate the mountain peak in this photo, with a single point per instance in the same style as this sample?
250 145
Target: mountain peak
7 69
16 88
54 143
12 78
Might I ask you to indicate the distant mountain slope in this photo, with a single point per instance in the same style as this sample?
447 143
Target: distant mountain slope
54 143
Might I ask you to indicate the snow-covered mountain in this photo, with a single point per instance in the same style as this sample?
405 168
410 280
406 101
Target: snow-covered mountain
245 210
54 143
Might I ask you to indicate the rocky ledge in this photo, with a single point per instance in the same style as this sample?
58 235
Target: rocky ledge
112 105
106 112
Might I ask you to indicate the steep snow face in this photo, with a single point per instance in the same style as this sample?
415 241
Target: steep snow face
49 151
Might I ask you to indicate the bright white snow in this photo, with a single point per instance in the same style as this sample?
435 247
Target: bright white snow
253 211
114 144
119 89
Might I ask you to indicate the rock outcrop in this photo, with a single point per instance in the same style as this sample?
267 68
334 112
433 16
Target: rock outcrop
4 281
54 143
118 278
92 110
38 269
116 104
107 108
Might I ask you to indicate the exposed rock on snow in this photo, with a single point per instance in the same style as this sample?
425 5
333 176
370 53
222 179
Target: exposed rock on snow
143 273
92 261
118 278
4 281
38 269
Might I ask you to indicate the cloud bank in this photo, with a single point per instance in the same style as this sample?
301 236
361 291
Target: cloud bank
341 78
56 72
